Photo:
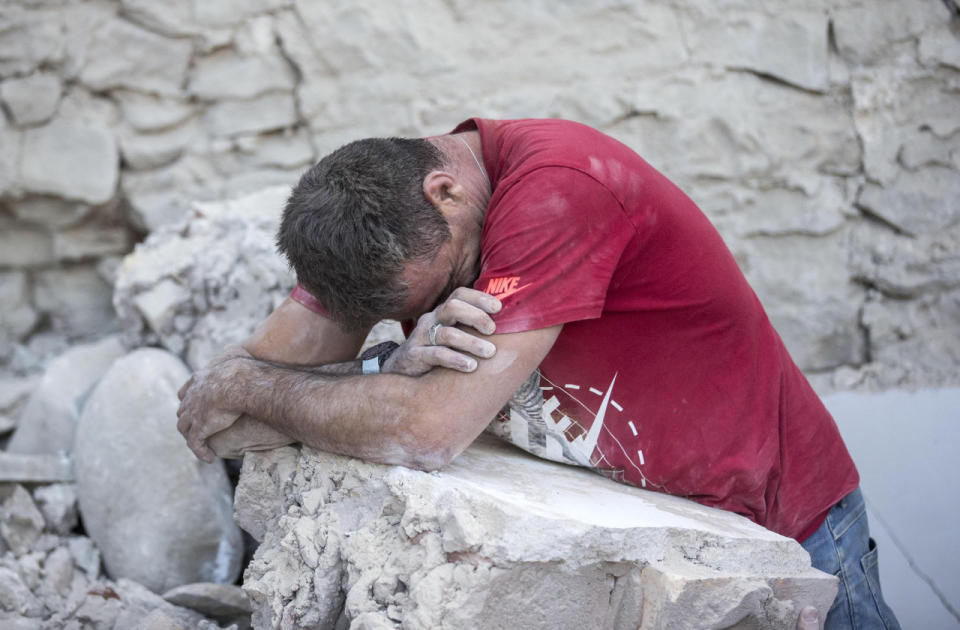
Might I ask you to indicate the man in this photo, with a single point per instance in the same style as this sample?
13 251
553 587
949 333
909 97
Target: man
605 309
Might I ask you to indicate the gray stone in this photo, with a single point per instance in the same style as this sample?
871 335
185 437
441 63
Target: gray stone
58 571
15 596
162 196
35 468
166 520
71 160
17 315
33 99
226 74
49 420
50 212
149 62
29 38
229 12
217 601
58 504
921 202
791 47
25 247
18 622
85 555
14 393
473 545
90 241
158 148
152 113
158 620
284 150
21 523
274 110
10 140
77 300
939 45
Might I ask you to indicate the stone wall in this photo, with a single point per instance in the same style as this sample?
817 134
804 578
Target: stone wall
821 137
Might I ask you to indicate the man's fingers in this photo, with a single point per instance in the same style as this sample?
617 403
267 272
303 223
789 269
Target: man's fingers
456 311
461 341
183 389
809 619
441 356
481 300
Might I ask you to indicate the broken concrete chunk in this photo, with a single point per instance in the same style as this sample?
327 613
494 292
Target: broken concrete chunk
473 545
159 515
21 523
159 304
58 504
16 597
223 602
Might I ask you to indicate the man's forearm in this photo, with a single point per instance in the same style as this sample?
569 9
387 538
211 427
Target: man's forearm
373 417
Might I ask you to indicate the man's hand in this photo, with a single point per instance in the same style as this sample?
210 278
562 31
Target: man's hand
450 346
809 619
204 401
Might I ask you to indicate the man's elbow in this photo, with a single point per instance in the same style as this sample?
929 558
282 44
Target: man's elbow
432 444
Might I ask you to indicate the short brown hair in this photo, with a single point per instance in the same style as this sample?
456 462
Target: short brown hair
355 219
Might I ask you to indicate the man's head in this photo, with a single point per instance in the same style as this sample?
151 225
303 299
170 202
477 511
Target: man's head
357 219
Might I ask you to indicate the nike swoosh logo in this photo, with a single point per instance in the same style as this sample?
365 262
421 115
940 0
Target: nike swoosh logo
509 292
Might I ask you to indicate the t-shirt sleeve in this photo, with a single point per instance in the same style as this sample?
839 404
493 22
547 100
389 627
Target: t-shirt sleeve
550 246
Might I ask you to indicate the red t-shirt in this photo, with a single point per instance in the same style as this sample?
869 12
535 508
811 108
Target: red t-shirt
667 374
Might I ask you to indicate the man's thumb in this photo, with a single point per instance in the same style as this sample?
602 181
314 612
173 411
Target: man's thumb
809 619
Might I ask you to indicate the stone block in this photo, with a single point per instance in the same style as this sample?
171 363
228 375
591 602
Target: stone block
473 545
150 62
10 140
48 422
17 315
29 37
77 300
89 242
70 160
158 148
49 212
21 523
275 110
58 504
226 74
916 202
791 46
163 195
145 112
33 99
25 246
170 521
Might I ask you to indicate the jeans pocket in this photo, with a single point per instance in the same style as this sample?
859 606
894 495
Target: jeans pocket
871 569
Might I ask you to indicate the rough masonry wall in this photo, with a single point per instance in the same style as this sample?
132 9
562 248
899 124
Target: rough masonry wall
821 137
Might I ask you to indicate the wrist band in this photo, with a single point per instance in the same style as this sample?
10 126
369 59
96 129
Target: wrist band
371 365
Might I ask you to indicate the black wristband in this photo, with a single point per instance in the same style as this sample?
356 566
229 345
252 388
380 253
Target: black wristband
382 351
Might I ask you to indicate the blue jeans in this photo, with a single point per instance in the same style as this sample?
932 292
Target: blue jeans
843 547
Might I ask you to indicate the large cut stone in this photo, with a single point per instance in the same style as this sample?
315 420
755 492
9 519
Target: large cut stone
499 539
159 515
49 420
149 62
33 99
70 159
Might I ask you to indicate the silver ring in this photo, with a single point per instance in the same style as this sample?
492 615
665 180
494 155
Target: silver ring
432 333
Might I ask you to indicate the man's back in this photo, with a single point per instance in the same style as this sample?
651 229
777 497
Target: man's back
667 373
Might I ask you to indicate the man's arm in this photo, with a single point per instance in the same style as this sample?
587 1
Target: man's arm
422 422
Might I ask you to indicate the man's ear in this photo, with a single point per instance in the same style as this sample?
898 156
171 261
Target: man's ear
440 187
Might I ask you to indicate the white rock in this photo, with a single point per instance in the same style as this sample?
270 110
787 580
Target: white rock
85 555
48 422
284 150
159 304
151 150
222 602
17 315
33 99
149 62
267 112
921 202
16 597
77 301
790 46
10 140
29 38
35 468
71 160
58 504
21 523
162 196
225 74
58 571
939 45
229 12
473 545
166 518
50 212
151 113
84 243
25 247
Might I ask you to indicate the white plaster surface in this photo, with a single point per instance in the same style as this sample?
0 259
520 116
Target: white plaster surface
905 445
